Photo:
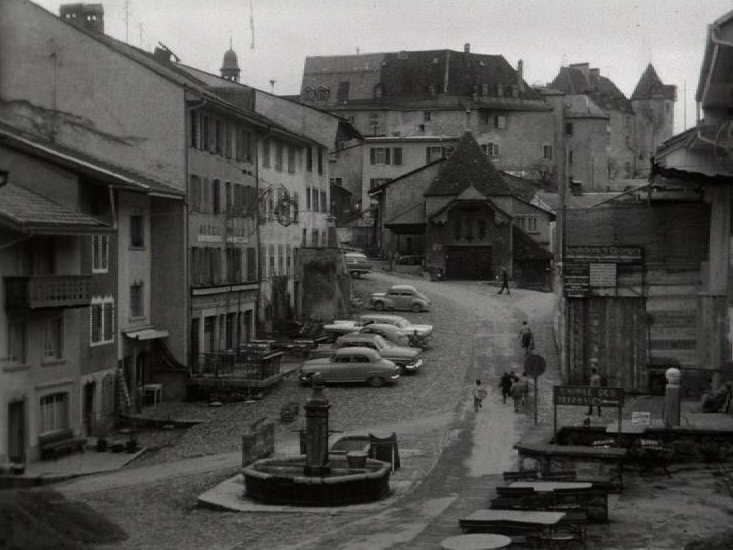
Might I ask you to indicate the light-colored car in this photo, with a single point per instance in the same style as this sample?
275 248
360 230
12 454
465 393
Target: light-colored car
357 264
352 365
400 297
405 326
389 332
407 358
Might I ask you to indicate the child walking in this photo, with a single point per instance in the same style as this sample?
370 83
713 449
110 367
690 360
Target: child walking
479 394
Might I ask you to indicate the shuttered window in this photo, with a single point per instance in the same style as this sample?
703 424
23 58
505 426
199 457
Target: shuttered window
102 320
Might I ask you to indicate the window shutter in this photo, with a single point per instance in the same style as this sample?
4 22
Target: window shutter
397 155
109 320
387 151
372 156
427 155
96 322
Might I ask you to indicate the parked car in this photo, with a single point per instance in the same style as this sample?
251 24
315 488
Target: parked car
352 365
400 297
405 326
357 264
407 358
389 332
346 326
410 260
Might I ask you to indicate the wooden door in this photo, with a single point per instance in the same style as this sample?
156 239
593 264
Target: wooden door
16 431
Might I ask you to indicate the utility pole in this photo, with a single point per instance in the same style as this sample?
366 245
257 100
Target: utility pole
127 21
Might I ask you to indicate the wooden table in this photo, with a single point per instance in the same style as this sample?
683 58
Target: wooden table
550 486
626 428
525 517
475 541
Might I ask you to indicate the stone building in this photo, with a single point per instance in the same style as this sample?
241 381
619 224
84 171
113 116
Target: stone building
434 96
65 100
291 206
633 129
465 217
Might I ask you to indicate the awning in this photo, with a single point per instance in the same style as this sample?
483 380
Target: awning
146 334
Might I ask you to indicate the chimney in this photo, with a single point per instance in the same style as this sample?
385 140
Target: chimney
520 75
162 55
595 73
88 16
467 47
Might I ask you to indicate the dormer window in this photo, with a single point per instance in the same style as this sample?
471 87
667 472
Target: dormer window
515 91
431 89
500 90
484 89
324 93
378 90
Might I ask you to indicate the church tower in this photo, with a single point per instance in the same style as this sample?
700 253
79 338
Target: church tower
653 105
230 65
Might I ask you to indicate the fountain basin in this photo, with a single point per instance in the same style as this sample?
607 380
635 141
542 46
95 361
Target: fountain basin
282 481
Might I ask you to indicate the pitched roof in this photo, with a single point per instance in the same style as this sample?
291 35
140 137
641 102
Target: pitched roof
650 86
526 248
468 167
83 163
521 188
425 78
27 210
583 106
379 188
580 79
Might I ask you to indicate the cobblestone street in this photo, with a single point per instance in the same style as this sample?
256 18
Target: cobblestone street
475 336
452 457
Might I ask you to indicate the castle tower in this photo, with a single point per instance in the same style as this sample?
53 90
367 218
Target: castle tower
653 105
230 65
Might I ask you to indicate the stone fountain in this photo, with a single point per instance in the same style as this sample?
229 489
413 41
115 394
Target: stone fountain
316 478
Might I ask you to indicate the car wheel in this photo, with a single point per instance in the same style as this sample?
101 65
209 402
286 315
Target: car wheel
379 306
416 308
375 382
403 370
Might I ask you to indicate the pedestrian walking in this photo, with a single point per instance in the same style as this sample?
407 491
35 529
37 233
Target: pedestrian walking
595 382
506 386
479 394
519 390
526 338
504 281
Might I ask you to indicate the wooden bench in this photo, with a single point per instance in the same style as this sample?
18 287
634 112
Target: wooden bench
534 475
59 441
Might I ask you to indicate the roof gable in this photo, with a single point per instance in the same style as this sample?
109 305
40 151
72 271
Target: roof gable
650 86
468 167
580 79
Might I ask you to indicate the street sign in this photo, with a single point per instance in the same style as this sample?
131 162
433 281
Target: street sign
534 365
586 396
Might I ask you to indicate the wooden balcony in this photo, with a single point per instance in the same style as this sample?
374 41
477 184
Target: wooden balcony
47 291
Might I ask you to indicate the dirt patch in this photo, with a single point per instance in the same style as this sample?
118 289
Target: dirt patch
44 519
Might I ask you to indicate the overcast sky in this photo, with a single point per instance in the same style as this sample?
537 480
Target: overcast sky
619 37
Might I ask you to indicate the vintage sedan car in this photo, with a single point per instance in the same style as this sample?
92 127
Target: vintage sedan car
407 358
360 364
400 297
357 264
390 333
405 326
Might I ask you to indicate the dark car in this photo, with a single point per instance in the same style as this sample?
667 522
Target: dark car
410 260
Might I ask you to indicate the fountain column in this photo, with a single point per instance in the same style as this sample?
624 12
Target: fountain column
672 398
316 430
